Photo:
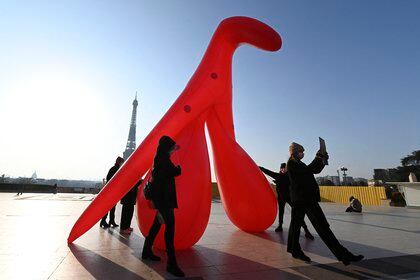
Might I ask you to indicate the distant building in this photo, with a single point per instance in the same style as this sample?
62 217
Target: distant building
328 180
375 183
361 180
386 175
347 181
381 174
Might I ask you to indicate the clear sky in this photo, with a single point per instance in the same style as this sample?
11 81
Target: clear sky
348 71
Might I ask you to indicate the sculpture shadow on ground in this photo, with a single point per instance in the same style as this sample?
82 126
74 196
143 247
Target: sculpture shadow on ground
397 267
201 262
100 267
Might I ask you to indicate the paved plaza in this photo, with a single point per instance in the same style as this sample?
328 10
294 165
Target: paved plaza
34 230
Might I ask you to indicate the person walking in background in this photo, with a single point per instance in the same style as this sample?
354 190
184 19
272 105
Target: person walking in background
164 199
128 202
20 189
282 181
118 162
355 205
305 197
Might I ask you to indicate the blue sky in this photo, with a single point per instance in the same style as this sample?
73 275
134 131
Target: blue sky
348 71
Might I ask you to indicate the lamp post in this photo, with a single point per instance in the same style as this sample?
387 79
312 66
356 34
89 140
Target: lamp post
338 174
344 169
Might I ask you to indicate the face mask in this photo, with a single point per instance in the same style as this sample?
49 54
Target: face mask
173 149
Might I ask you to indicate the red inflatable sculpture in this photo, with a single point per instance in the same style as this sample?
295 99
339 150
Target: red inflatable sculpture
207 99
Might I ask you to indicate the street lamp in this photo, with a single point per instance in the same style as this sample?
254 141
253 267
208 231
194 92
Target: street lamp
344 169
338 174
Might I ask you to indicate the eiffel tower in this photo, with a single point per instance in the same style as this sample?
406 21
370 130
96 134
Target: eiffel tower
131 142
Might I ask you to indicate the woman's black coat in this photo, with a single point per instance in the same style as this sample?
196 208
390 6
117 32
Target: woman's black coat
163 176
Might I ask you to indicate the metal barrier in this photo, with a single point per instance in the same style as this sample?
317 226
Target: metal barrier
341 194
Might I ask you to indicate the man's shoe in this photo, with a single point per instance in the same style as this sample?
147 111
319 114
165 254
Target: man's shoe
302 256
352 258
279 229
358 258
130 229
125 231
175 270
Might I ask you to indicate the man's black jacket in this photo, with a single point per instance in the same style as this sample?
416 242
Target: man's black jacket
303 186
282 182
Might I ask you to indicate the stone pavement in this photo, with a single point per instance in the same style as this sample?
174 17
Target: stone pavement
34 230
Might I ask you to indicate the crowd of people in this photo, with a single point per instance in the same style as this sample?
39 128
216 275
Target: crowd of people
295 185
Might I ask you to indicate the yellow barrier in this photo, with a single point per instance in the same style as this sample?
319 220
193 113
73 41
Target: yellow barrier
341 194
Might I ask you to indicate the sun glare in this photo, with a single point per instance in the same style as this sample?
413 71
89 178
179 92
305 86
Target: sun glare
52 118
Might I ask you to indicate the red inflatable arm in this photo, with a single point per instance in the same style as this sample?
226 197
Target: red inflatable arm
207 99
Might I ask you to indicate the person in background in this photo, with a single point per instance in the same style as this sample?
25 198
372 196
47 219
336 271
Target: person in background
165 201
305 197
20 189
128 202
355 205
118 163
282 181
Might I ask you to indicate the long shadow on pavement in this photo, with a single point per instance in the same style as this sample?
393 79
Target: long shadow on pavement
100 267
201 262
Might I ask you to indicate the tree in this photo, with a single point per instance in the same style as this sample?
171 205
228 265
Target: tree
411 160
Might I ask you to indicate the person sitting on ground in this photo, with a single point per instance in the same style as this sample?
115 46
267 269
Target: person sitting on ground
355 205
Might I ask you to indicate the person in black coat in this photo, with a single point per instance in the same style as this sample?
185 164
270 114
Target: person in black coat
282 181
128 202
305 197
164 199
118 162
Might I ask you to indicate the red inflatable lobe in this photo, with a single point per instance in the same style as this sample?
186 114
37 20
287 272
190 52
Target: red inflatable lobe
193 190
207 98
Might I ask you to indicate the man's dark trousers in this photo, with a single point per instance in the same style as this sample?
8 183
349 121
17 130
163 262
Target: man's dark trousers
111 216
126 216
318 220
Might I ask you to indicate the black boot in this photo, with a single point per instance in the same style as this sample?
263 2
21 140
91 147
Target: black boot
301 256
147 253
104 224
173 267
113 224
352 258
279 228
